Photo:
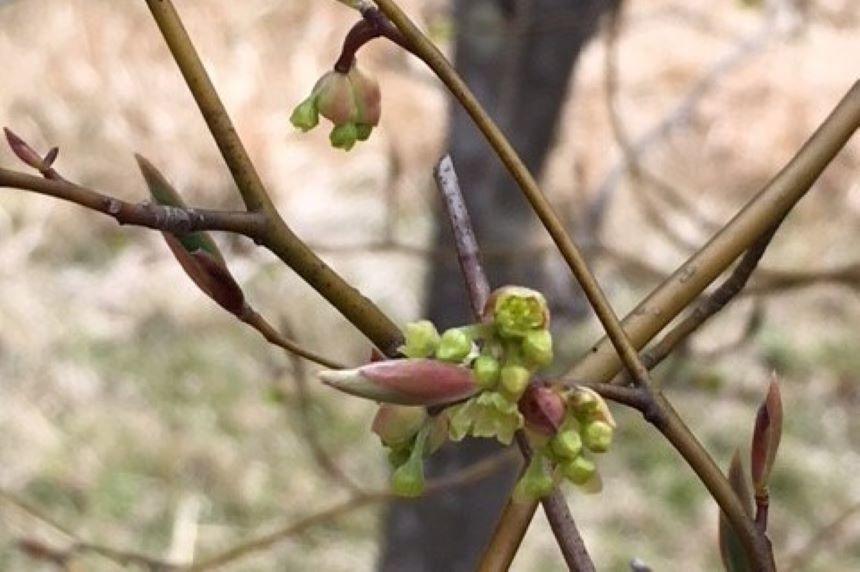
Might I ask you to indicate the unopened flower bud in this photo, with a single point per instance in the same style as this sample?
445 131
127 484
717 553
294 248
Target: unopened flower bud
514 379
487 370
537 347
305 116
405 381
421 339
516 311
543 408
589 406
567 444
597 436
454 346
579 470
397 424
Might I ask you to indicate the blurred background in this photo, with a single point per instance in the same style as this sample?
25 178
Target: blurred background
136 414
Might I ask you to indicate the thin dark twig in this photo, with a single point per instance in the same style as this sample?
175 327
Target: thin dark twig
160 217
710 305
561 521
464 237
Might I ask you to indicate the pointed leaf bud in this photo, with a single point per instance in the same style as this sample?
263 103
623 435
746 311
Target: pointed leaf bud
579 470
514 380
766 437
367 97
567 444
306 116
537 347
421 339
597 436
454 346
543 408
516 311
22 150
405 381
487 370
535 483
343 136
397 424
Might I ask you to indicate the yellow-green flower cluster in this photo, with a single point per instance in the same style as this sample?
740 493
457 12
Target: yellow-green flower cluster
587 430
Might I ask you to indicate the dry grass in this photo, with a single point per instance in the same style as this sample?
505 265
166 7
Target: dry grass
126 400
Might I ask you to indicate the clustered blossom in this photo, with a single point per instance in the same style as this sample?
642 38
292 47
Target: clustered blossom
478 380
351 101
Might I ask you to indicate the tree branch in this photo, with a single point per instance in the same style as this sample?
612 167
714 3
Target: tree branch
151 215
278 237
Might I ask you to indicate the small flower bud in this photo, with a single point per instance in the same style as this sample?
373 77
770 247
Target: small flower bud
397 424
516 311
454 346
343 136
335 99
305 116
405 381
589 405
597 436
514 379
543 408
537 347
421 339
579 470
535 482
567 444
487 370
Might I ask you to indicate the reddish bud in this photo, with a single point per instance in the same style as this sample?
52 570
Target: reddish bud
766 436
405 381
23 150
543 409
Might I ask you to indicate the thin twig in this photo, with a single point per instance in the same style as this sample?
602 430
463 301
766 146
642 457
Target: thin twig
711 304
146 214
464 236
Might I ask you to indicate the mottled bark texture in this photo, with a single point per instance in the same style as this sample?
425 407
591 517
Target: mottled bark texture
518 57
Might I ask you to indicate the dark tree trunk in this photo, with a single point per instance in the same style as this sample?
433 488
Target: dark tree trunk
517 56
